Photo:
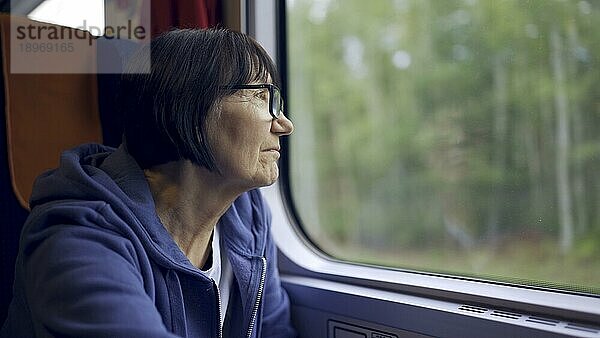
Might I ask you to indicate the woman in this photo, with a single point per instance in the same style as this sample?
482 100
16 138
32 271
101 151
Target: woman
167 235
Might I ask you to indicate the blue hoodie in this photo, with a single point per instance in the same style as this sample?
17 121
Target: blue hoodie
95 261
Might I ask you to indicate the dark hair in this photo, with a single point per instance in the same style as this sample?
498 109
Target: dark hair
165 111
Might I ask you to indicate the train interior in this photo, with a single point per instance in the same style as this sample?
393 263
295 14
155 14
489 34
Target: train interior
43 114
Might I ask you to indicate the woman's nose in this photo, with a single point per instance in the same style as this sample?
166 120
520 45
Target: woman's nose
282 126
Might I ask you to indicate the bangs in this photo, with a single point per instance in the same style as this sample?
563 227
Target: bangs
247 62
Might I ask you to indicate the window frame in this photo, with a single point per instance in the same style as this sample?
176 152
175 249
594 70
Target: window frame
300 258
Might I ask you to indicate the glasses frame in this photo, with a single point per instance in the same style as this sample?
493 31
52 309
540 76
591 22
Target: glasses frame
272 88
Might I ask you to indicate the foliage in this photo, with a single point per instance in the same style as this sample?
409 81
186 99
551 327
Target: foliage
461 125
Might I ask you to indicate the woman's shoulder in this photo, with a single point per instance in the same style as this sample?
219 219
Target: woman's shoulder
74 225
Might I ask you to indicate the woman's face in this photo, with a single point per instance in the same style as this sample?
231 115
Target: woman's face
244 138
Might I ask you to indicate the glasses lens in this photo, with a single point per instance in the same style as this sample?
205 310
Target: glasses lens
276 102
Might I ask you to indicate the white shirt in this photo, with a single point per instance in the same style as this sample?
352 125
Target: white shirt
221 272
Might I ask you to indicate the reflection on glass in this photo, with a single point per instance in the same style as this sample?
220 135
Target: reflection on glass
450 136
86 15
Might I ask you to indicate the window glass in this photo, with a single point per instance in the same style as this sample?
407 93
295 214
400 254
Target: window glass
81 14
453 136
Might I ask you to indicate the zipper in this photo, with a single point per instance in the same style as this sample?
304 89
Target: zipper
258 297
219 326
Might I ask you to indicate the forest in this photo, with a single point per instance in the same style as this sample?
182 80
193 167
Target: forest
453 136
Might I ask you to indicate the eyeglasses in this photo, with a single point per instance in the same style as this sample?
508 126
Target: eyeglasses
275 99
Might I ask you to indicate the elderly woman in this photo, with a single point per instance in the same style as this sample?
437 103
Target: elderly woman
167 235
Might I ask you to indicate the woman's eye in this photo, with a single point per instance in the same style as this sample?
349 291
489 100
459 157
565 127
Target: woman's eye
262 95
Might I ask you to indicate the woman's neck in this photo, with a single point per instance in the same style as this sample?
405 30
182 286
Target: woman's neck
189 201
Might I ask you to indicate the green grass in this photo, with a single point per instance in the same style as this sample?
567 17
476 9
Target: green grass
538 264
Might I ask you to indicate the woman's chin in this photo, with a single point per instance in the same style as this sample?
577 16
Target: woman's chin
270 177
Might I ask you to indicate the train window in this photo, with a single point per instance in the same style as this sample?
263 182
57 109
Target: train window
456 137
87 15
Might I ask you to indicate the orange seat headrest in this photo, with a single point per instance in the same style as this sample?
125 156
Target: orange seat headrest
45 114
